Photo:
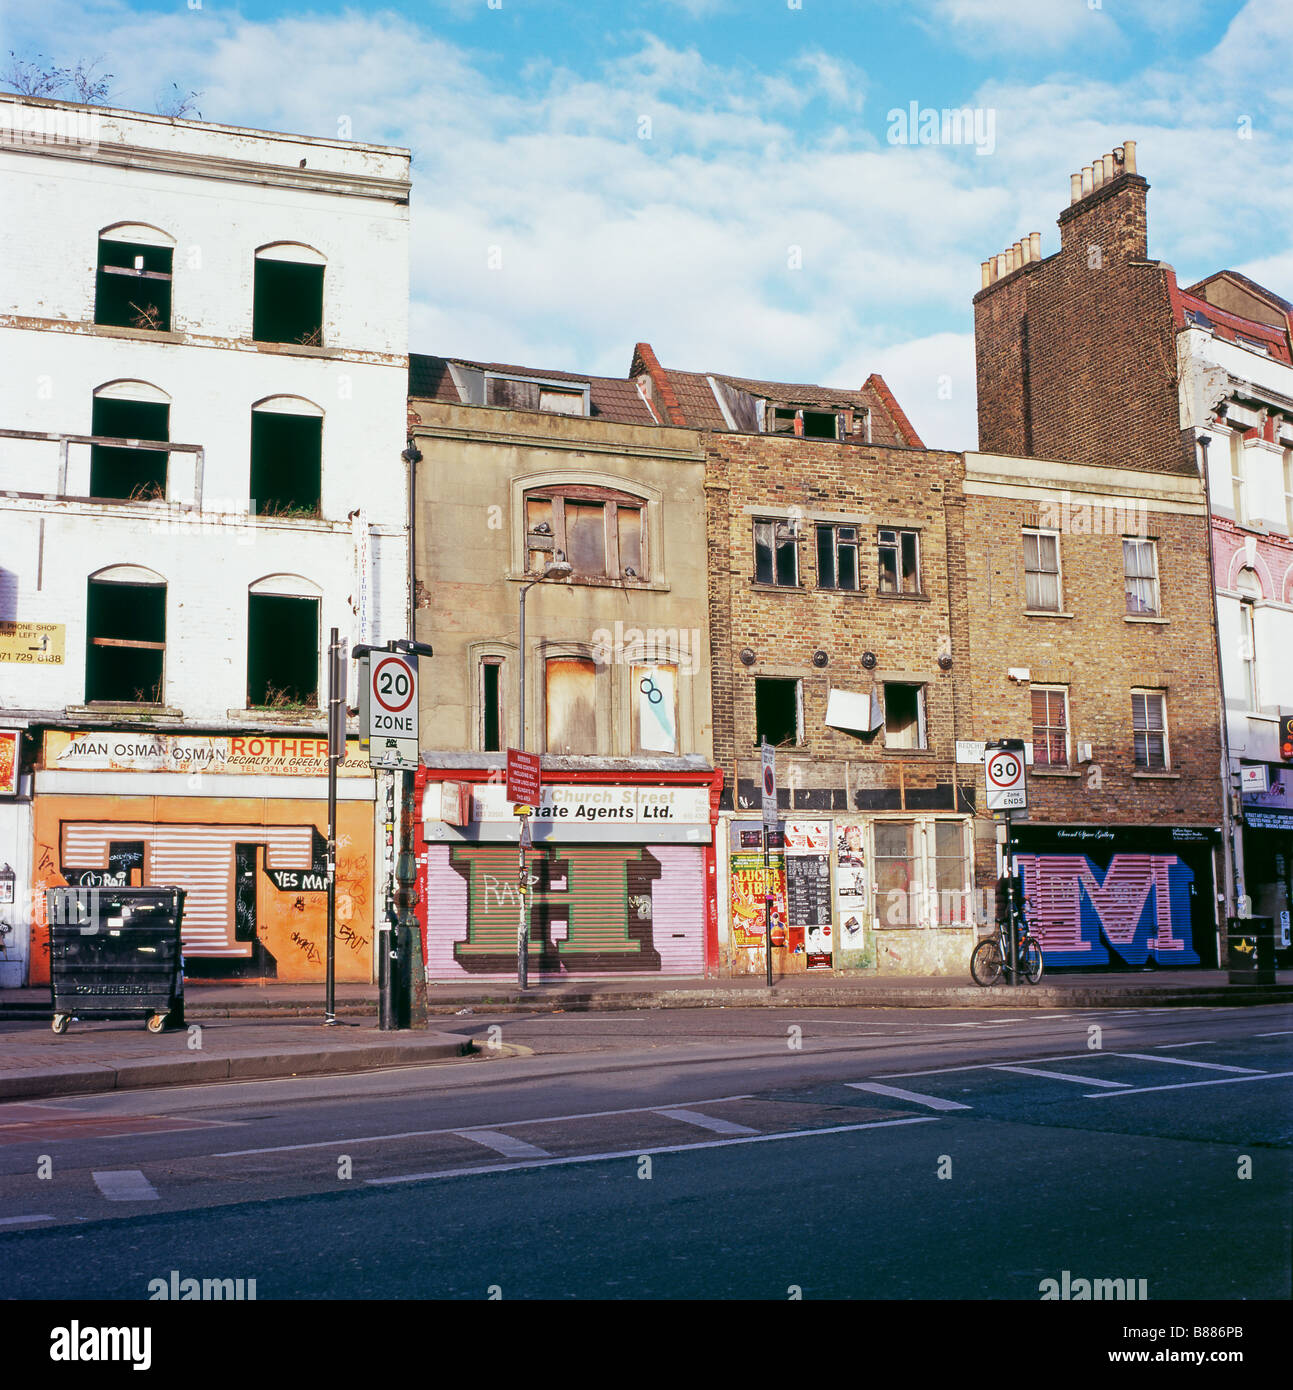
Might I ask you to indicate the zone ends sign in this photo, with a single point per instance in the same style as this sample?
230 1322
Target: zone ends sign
1004 773
392 697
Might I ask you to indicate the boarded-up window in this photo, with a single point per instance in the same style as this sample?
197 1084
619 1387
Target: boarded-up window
601 533
561 402
655 693
586 536
126 473
629 521
571 705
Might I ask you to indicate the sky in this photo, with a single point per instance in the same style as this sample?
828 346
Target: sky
728 179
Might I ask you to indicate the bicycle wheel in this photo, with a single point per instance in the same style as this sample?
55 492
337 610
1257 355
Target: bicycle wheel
986 962
1030 959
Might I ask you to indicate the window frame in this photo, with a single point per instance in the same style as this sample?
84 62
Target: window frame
612 501
496 663
899 589
1238 478
1156 611
140 250
1288 489
790 544
1039 532
1146 694
1250 593
798 683
1043 746
833 528
921 724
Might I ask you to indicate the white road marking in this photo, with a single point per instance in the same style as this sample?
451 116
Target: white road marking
693 1117
1203 1042
1186 1085
125 1185
504 1144
1185 1062
979 1066
1283 1033
1061 1076
22 1220
431 1133
641 1153
934 1102
1010 1020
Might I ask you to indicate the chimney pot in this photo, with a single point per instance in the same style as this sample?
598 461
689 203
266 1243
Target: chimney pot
1035 244
1109 170
1075 187
1001 265
985 272
1129 156
1097 174
1086 180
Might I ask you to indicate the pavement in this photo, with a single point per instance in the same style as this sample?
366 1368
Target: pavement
254 1030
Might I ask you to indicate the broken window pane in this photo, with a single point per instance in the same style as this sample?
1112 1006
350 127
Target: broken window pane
132 288
134 474
286 463
287 304
776 710
282 651
825 557
899 562
126 642
630 537
904 716
571 705
586 536
776 553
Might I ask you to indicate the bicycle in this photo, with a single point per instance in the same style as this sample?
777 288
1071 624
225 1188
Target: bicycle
990 959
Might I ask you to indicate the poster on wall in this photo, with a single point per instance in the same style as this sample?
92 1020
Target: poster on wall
850 885
749 891
9 762
1102 896
808 890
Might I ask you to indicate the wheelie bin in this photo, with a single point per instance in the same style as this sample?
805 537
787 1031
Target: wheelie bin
115 953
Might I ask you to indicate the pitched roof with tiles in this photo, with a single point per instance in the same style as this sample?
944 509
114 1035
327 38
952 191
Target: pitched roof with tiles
610 398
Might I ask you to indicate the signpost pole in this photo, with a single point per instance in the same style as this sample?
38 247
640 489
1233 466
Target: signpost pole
386 951
1010 905
523 926
769 789
767 908
336 750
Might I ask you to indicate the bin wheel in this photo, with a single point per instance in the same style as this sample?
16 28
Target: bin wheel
156 1022
59 1023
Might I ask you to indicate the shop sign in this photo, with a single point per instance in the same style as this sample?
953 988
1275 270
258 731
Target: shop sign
1253 778
598 805
35 644
1274 793
245 754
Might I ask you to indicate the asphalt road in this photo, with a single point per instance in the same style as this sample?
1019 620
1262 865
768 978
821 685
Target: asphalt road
699 1154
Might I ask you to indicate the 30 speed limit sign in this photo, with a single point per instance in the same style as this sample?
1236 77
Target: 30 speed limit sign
1003 770
392 709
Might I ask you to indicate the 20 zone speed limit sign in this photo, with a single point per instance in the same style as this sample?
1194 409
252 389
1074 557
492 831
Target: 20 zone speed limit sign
392 698
1004 772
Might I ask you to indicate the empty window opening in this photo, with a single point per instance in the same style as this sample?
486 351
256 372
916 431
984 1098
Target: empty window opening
282 652
820 424
837 557
126 642
491 705
286 463
776 710
899 562
287 305
125 473
904 716
571 705
132 288
803 423
776 553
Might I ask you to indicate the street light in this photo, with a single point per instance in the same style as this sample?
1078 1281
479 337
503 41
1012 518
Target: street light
557 568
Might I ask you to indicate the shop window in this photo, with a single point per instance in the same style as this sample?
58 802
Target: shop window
132 286
899 562
778 710
287 300
1050 726
1140 576
1149 729
951 873
491 705
897 874
655 700
1042 571
776 553
126 641
282 652
600 532
837 557
129 411
570 700
904 716
286 461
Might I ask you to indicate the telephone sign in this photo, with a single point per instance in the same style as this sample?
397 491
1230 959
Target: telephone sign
1003 770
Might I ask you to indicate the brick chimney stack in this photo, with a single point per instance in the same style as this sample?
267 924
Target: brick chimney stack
1076 351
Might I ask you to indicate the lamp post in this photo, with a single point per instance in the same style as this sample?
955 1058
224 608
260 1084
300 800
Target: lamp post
556 568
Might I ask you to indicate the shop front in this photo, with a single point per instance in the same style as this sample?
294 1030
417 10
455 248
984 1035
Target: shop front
1114 896
239 822
891 894
1268 846
622 875
15 867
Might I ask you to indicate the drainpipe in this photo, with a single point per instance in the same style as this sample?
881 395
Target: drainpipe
1231 853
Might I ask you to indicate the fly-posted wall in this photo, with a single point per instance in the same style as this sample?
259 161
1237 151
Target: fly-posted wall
622 870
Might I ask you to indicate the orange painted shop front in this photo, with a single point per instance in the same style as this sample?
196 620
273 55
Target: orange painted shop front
153 810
